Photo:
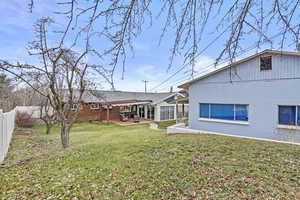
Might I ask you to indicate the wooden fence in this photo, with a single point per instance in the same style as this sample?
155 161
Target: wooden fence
7 125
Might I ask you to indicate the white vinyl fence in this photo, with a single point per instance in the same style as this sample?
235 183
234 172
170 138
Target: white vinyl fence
7 125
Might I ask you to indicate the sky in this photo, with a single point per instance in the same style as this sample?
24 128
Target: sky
150 60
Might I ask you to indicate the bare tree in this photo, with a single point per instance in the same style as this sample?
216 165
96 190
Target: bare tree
121 21
62 71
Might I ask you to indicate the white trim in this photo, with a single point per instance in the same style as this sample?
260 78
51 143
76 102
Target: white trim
224 121
195 131
291 127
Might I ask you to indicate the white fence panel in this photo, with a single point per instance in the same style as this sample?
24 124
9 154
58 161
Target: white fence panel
7 126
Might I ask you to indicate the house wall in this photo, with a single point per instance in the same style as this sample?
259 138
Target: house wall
263 91
88 114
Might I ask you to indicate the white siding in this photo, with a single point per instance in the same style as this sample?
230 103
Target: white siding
283 67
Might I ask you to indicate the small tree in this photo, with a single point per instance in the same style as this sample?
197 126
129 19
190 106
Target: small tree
47 115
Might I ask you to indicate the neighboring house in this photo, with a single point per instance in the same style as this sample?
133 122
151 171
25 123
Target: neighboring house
117 105
256 97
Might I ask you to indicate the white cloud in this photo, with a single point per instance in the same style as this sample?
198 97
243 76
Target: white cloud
140 46
149 72
133 81
203 63
206 64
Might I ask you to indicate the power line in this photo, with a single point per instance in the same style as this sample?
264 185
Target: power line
183 66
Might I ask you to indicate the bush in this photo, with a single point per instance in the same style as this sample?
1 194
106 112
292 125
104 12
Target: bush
25 120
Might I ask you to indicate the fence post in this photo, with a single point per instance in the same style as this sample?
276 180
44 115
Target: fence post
1 136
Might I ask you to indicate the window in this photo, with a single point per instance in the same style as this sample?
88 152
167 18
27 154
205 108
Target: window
289 115
94 106
241 113
298 115
125 109
134 108
224 111
204 110
167 113
74 107
265 63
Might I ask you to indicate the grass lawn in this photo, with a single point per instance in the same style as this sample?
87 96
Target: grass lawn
134 162
164 125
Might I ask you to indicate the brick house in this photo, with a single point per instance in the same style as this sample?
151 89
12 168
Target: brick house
99 105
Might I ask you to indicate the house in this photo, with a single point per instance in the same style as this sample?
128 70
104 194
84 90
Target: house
99 105
255 97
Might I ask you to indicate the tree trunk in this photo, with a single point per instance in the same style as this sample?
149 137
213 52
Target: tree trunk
65 133
48 128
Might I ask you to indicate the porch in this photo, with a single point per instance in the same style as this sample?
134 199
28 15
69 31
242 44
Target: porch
136 112
129 122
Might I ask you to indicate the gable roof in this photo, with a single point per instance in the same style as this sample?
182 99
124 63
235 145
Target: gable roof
98 96
267 51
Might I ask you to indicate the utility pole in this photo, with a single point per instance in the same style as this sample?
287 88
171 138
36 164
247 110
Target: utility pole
145 85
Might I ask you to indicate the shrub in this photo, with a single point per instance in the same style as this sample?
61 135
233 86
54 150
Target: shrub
25 120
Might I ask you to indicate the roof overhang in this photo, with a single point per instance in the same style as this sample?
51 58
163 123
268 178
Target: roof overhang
270 52
163 99
184 100
131 104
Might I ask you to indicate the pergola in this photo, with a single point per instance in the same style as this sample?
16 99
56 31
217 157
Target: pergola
184 100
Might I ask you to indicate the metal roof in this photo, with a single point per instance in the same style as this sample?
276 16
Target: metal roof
267 51
94 96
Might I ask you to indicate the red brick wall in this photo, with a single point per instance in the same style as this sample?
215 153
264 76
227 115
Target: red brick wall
88 114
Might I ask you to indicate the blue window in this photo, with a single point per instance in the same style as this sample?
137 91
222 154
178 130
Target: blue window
298 115
225 111
204 110
287 115
241 113
222 111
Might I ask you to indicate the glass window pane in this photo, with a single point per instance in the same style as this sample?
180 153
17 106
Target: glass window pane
204 110
162 113
171 112
222 111
241 112
298 117
287 115
167 113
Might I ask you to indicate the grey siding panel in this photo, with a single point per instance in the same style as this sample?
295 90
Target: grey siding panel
283 67
263 91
